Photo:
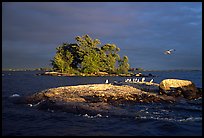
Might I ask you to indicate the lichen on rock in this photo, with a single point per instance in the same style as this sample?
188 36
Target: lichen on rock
101 98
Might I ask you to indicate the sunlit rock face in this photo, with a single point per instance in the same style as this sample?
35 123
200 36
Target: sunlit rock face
96 93
106 98
176 87
93 98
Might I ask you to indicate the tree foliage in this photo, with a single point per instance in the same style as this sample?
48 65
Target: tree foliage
123 65
87 56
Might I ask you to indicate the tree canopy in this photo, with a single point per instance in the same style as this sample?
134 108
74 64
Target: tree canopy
87 56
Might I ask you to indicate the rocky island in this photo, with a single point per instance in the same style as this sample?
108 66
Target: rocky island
108 98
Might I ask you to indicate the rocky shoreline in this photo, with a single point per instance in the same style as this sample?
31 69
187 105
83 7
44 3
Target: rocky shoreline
52 73
103 98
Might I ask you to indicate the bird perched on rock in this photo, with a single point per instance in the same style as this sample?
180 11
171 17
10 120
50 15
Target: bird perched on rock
134 80
106 81
168 52
151 81
143 79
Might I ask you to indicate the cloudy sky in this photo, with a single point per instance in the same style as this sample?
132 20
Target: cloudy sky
142 30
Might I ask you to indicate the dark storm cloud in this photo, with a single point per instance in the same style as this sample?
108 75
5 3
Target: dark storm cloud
32 31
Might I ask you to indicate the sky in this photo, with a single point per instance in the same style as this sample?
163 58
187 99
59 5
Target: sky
31 31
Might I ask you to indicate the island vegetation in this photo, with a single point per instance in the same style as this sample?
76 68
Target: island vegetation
88 56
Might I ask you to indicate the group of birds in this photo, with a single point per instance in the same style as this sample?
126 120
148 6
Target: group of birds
167 52
137 80
133 80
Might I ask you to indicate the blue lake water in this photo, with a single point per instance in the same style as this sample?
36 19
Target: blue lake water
152 119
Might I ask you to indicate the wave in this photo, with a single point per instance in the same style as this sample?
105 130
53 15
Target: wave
170 112
171 119
181 112
15 95
95 116
33 105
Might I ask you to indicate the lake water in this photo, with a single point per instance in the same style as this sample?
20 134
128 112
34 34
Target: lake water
150 119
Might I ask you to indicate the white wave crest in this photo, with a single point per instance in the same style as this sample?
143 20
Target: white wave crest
95 116
189 119
31 105
15 95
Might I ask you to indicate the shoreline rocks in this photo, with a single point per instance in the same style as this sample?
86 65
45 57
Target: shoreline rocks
93 98
83 74
100 98
52 73
97 93
177 87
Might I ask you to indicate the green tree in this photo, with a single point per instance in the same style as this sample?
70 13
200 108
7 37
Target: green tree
87 56
63 59
112 57
90 64
123 65
87 47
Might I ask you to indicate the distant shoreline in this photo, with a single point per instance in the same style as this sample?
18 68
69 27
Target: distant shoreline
131 71
83 74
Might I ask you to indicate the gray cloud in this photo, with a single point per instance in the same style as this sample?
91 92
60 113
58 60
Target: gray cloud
143 30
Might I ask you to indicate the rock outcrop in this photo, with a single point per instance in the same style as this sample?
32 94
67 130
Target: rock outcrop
176 87
93 98
109 98
93 93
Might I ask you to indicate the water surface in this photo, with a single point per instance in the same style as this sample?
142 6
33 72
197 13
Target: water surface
152 119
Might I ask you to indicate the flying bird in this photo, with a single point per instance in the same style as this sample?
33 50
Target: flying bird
168 52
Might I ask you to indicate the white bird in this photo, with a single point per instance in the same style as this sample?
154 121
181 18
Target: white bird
143 79
30 105
128 80
134 80
138 80
106 81
168 52
151 80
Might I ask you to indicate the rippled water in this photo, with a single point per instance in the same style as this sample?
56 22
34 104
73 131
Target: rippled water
152 119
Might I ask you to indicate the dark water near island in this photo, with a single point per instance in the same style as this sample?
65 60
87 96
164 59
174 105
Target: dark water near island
152 119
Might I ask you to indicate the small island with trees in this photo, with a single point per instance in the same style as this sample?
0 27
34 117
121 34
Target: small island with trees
87 57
